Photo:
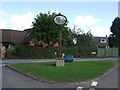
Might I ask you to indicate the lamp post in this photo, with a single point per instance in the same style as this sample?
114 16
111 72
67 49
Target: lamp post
60 20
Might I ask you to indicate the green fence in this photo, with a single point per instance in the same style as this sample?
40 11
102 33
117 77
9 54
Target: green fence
107 52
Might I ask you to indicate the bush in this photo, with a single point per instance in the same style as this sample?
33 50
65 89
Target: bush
79 51
31 52
10 52
34 52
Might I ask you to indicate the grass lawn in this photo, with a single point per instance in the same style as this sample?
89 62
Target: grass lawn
71 72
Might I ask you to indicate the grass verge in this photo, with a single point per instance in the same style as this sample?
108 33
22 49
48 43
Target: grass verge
71 72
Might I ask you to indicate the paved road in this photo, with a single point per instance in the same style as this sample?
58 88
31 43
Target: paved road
12 79
109 80
8 61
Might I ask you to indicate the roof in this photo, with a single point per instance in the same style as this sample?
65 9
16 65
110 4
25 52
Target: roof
15 36
101 41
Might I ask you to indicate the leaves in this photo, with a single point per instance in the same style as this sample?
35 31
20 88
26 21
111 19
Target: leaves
45 30
114 38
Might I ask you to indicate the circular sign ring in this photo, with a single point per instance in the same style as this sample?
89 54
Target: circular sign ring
60 19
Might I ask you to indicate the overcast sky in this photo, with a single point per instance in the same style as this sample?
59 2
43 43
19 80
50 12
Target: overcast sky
94 16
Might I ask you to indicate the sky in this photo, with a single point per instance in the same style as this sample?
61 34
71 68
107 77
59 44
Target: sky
94 16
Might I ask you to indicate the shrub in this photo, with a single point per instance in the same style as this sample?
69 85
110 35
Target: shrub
80 51
34 52
10 52
30 52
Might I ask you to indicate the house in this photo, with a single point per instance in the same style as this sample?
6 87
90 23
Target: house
101 41
9 37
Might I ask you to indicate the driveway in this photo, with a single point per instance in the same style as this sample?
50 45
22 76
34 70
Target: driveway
13 79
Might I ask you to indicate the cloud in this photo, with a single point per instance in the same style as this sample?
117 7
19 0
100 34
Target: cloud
85 20
2 23
100 31
18 22
22 21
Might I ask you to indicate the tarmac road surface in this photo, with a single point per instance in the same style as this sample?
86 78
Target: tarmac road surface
8 61
12 79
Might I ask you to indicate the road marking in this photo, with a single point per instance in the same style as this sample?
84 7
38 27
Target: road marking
94 84
79 88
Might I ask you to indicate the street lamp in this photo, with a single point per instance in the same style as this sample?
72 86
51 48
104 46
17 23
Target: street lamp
60 20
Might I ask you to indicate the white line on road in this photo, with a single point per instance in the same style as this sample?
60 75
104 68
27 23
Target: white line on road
94 84
79 88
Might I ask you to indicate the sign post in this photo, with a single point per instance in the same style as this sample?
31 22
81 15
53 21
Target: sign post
60 20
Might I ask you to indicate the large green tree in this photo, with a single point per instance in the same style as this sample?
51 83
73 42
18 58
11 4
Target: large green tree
45 30
114 38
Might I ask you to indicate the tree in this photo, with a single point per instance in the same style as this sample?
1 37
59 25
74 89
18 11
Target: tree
83 39
114 38
45 30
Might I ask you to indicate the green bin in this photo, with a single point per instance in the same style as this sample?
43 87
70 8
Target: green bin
68 58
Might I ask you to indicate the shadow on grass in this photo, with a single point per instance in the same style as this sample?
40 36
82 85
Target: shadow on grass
52 64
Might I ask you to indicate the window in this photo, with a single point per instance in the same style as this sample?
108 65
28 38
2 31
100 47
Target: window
103 41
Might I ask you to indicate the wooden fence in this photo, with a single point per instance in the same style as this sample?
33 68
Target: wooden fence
107 52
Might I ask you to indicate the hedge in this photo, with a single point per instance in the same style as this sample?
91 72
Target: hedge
31 52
